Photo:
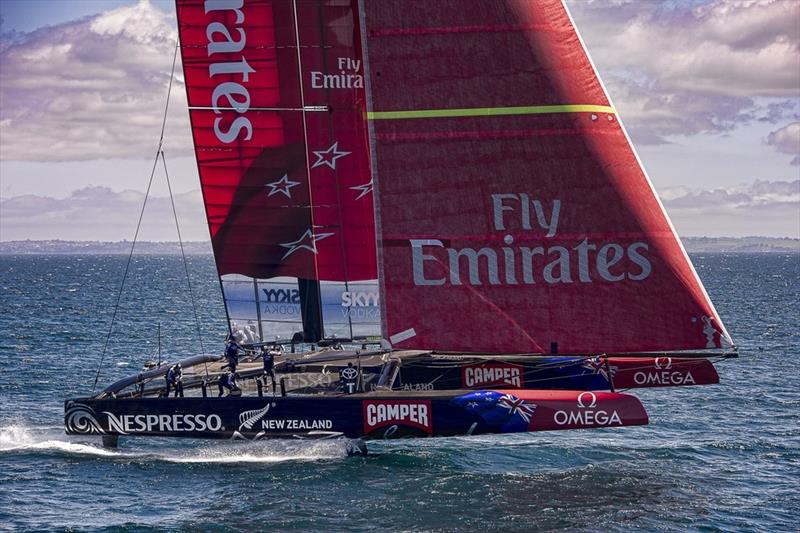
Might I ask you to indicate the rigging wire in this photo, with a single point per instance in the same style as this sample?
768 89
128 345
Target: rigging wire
185 264
139 223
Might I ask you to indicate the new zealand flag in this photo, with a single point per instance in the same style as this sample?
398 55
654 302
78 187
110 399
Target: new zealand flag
503 413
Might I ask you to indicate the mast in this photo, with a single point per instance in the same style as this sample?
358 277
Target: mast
310 298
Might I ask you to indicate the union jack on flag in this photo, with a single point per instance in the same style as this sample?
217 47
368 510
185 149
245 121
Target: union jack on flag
517 406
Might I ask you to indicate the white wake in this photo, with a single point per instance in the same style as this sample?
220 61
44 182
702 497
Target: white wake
19 438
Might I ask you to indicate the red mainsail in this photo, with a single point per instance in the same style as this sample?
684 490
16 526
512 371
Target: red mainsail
513 213
276 97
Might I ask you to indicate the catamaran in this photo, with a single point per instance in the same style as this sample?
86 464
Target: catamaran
436 220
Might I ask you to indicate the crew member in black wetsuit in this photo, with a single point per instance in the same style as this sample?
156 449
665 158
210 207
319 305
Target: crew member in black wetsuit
269 365
174 379
232 353
227 381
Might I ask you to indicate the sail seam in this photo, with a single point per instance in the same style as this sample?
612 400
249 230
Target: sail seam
489 111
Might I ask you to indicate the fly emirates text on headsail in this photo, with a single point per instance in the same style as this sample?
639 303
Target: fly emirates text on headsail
551 263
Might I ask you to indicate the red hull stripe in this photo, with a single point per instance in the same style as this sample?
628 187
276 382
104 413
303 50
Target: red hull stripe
631 372
553 410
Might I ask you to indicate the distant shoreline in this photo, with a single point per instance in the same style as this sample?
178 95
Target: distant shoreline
58 247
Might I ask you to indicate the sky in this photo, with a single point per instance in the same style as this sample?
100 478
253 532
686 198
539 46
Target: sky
709 91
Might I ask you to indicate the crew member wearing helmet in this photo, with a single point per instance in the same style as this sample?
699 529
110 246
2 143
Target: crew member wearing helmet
228 381
232 353
174 379
268 355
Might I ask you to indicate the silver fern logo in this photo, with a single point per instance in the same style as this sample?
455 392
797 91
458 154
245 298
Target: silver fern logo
249 418
81 419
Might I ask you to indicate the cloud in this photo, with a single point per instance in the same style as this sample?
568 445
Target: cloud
92 88
787 141
95 87
763 207
99 213
759 194
682 69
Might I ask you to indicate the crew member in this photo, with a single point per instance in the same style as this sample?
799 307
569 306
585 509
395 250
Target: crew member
269 365
174 379
232 353
227 381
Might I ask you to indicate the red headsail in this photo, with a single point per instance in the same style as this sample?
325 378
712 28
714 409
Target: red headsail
513 213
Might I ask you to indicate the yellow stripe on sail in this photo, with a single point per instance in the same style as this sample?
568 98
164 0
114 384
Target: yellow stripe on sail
489 111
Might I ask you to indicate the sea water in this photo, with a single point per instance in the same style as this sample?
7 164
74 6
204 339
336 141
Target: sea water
718 458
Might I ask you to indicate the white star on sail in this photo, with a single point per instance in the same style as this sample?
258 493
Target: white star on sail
333 152
282 186
365 189
307 242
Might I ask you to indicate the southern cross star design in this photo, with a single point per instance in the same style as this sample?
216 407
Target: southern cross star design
308 241
282 186
329 156
364 189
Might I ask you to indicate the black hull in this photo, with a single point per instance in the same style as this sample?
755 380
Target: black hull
371 415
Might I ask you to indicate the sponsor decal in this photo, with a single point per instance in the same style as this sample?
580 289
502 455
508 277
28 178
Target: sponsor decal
162 423
663 378
360 298
281 296
81 419
248 418
662 363
348 76
663 374
417 386
229 95
587 413
505 375
282 309
349 373
293 424
362 305
411 413
517 215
